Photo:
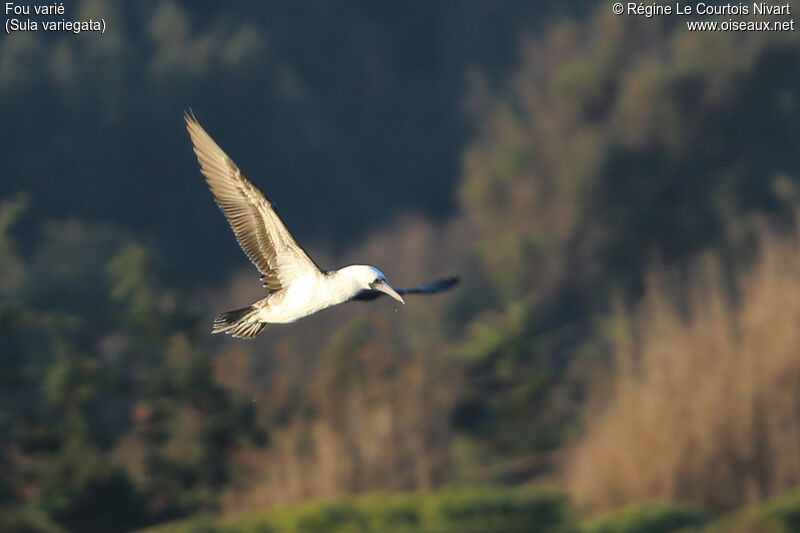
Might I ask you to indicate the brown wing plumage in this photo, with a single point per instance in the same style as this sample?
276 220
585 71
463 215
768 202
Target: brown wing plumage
260 232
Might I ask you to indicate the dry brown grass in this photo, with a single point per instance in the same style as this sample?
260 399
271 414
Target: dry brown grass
704 403
376 425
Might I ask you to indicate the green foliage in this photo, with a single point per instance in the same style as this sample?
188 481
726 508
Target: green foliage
481 510
27 520
144 306
331 517
779 515
614 145
372 139
191 424
648 518
393 513
612 142
577 176
489 510
446 511
72 453
509 359
12 273
784 511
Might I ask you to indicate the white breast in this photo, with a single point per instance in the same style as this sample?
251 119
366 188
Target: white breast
305 296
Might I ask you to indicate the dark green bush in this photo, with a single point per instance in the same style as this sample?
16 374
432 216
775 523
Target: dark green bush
485 510
648 518
780 515
784 511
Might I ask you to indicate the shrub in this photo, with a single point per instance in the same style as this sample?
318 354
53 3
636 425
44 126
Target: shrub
647 518
784 510
482 510
703 405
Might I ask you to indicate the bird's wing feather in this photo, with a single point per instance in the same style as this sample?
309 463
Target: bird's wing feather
430 288
257 226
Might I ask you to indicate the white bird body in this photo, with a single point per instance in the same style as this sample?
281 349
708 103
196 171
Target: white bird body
297 286
312 293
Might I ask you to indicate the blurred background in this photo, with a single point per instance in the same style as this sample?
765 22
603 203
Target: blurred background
620 196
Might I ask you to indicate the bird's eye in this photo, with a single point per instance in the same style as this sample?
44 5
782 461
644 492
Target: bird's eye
377 280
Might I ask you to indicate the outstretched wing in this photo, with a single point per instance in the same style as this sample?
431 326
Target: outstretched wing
257 226
430 288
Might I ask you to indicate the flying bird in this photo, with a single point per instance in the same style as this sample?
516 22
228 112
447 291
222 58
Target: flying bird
296 286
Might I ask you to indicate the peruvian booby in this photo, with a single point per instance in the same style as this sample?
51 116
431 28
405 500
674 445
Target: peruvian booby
297 286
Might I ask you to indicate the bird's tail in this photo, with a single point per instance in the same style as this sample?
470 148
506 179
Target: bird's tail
239 323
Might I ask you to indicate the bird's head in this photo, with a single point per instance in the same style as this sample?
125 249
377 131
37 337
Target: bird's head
370 278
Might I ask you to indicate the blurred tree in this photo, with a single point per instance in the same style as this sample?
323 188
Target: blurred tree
614 144
98 354
360 102
185 423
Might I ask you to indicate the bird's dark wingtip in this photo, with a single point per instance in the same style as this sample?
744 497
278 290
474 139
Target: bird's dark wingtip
452 280
441 285
448 283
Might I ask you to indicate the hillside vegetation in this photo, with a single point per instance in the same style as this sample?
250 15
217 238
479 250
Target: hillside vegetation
488 510
622 210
